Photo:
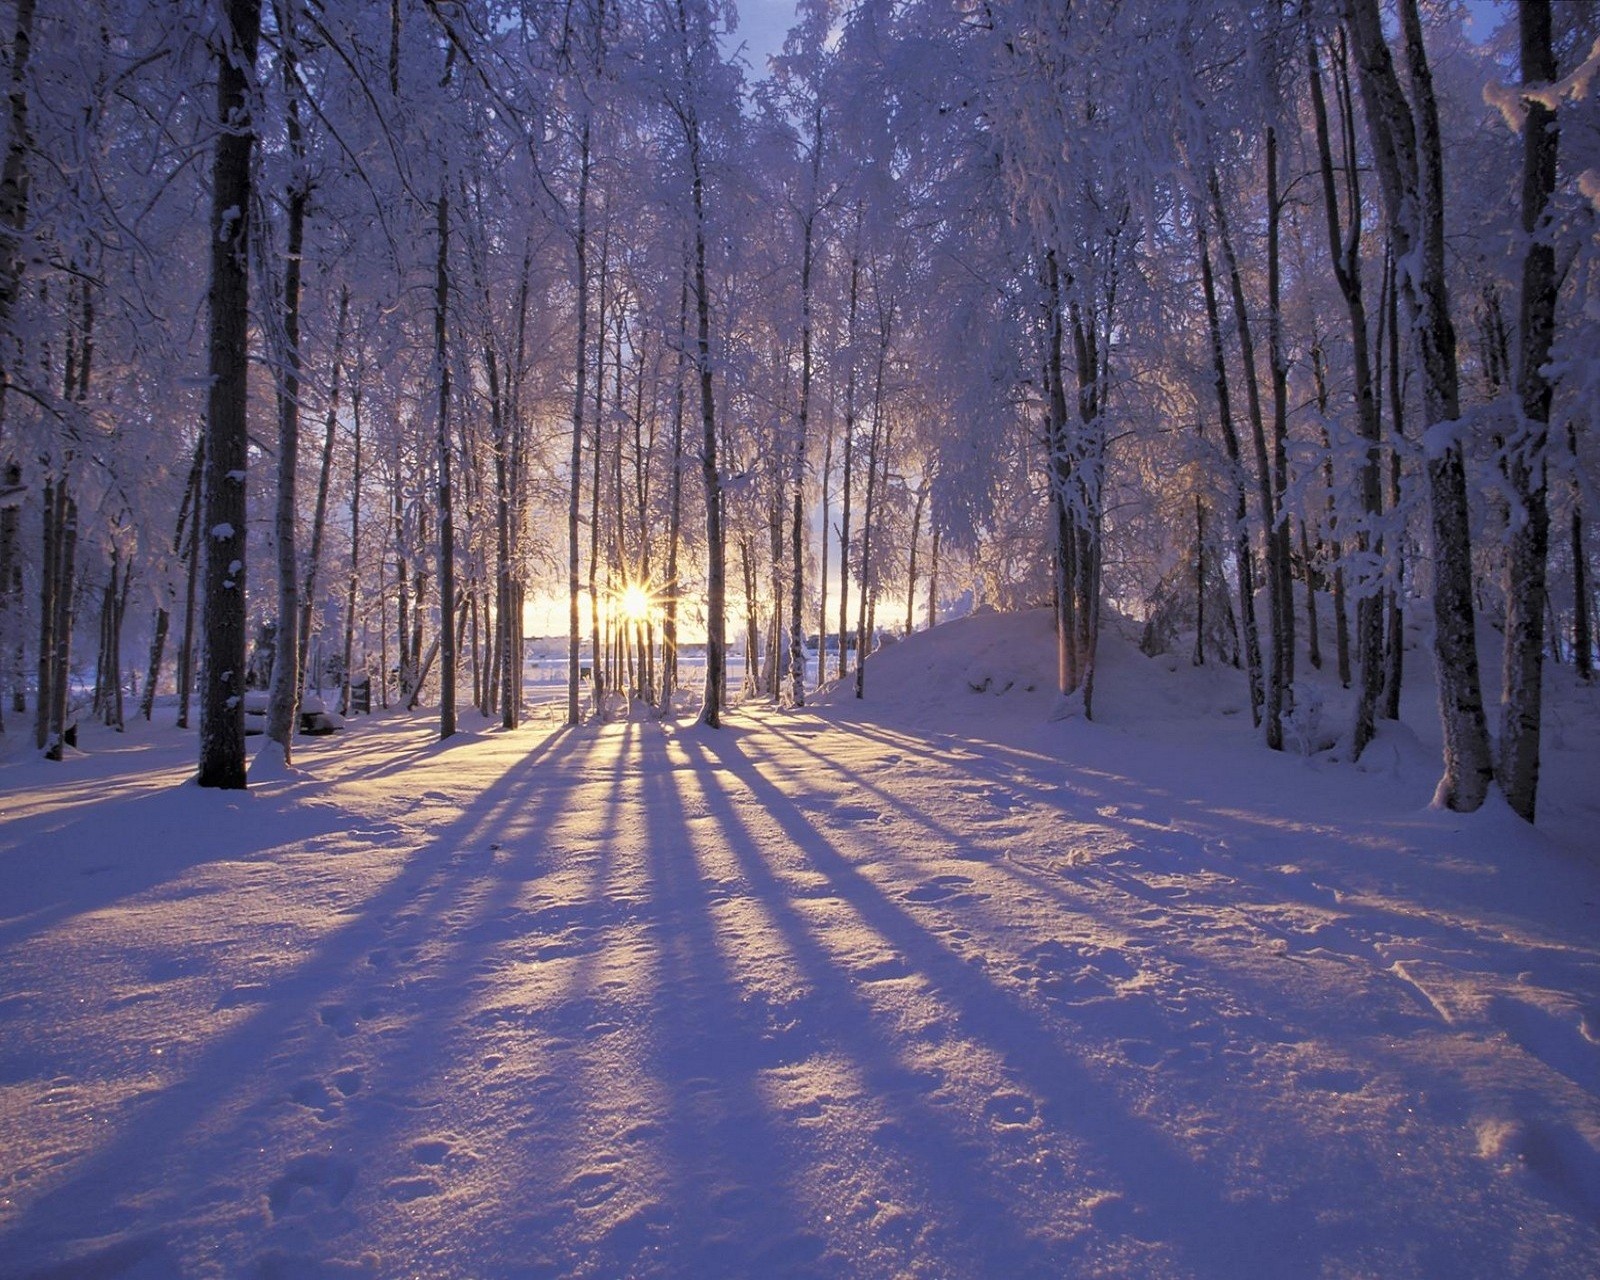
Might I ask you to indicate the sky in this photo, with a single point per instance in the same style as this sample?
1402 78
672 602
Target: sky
762 27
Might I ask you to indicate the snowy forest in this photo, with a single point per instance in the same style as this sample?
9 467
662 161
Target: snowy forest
359 335
955 644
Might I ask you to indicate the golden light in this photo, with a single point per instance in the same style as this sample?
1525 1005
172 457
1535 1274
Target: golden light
634 603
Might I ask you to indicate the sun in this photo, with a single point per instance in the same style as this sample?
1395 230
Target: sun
634 603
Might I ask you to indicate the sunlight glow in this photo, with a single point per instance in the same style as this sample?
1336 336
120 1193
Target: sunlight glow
634 603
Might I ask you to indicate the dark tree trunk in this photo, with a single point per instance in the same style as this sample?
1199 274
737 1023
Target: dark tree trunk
575 478
1409 158
222 744
283 701
447 553
14 178
716 568
1582 635
669 624
1344 245
1241 520
847 469
354 578
1525 460
1279 671
319 517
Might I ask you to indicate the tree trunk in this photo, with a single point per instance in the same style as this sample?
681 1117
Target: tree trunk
797 474
14 178
283 699
752 622
911 561
1278 363
354 578
503 592
1241 520
405 670
447 553
716 571
108 706
11 649
875 445
822 550
222 745
1279 672
1394 612
597 648
61 631
160 629
49 584
1058 464
669 625
1525 458
1582 635
192 560
848 462
1344 247
777 511
188 512
319 517
575 479
1408 153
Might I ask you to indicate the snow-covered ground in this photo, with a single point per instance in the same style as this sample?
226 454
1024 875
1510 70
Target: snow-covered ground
926 985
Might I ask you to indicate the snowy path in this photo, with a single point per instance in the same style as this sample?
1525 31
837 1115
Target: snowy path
804 997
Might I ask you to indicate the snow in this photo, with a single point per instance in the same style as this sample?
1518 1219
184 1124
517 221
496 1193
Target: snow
925 985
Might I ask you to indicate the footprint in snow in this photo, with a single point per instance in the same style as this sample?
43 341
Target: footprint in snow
1140 1053
1010 1110
405 1190
313 1095
592 1189
346 1021
244 993
1332 1080
1073 974
348 1082
946 888
883 969
310 1183
431 1150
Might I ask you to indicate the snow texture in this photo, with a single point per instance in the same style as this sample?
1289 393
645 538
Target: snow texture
926 985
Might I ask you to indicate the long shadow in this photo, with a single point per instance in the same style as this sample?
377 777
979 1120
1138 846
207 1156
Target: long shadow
1234 910
72 856
1171 1196
212 1116
76 861
1142 814
477 937
557 1148
1114 893
725 1155
952 1173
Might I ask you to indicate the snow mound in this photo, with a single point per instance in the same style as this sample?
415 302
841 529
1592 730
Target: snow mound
1002 667
962 666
